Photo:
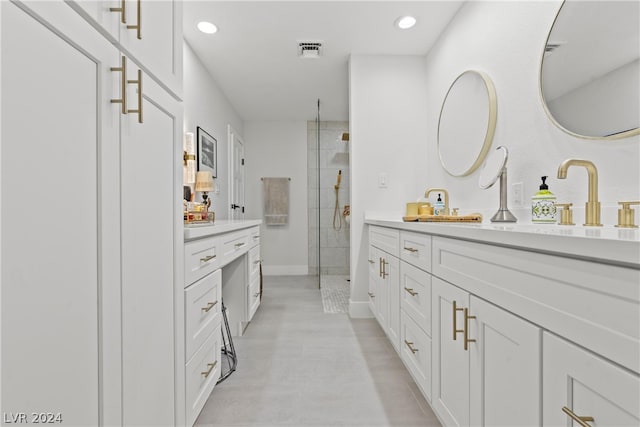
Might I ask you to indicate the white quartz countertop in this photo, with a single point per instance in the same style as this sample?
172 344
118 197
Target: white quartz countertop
608 244
222 226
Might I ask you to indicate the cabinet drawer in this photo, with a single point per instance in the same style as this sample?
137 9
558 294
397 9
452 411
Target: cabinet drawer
594 305
234 244
386 239
587 385
254 236
415 248
415 295
253 297
254 263
203 301
415 351
201 257
202 373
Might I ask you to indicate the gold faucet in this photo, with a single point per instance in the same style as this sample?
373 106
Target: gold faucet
446 197
592 207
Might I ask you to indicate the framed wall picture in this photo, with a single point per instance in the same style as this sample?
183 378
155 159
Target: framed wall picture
207 152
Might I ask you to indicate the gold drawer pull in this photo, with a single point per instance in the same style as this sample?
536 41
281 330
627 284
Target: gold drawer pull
208 371
384 269
209 306
122 9
371 261
411 291
123 83
580 420
410 345
207 258
239 245
138 26
139 83
256 237
456 331
410 249
371 295
467 340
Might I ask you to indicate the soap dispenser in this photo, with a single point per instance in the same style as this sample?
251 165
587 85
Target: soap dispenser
438 206
543 205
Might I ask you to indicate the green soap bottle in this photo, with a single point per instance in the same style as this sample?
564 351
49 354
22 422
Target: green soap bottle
543 205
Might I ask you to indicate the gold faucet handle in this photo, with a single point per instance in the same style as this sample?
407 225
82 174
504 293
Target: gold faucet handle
626 215
566 214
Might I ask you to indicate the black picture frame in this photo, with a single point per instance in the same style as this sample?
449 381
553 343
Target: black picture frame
207 153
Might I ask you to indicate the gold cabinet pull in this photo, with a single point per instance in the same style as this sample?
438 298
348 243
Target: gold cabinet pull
380 267
139 83
580 420
467 340
410 249
371 261
209 306
138 26
239 245
207 258
208 371
456 331
123 84
384 269
371 295
122 9
410 345
411 291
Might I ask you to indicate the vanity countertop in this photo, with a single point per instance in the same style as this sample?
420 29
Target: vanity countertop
607 244
221 226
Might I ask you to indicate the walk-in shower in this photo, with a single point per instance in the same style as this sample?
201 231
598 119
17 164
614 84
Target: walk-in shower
329 201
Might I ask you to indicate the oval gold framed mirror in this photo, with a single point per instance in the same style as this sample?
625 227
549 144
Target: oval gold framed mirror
467 123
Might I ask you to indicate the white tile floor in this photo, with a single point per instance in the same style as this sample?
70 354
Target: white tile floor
301 367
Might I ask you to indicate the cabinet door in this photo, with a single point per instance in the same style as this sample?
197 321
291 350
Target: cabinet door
100 14
587 386
59 236
150 227
505 367
450 394
392 284
374 276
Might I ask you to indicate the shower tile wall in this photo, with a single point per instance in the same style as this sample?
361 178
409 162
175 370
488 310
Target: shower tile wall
334 156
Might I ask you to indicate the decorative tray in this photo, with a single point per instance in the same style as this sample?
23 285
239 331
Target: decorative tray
475 217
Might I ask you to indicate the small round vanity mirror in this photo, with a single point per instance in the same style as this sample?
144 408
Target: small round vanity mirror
492 168
467 123
590 69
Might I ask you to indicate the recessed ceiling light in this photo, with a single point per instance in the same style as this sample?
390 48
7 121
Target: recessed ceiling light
207 27
405 22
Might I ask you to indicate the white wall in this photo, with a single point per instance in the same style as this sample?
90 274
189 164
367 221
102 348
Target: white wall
396 132
205 105
279 149
388 112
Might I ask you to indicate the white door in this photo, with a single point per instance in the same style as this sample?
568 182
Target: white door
577 383
149 200
450 393
59 258
236 163
505 368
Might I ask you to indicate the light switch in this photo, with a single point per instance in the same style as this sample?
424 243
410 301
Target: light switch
383 178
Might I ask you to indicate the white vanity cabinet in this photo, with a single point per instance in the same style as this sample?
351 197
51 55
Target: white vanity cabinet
149 31
97 259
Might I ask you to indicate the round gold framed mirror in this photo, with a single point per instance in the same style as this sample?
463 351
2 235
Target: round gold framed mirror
467 123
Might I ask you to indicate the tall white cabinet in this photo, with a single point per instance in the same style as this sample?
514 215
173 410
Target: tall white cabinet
90 224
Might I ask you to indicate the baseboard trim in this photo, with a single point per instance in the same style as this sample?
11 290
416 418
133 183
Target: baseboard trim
285 270
359 310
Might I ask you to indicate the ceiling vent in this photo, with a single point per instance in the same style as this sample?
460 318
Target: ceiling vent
309 50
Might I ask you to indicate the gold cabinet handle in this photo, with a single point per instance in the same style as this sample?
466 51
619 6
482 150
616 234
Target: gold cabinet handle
467 340
371 261
208 371
371 295
411 291
139 83
410 345
384 268
380 267
209 306
412 250
123 84
239 245
256 237
580 420
456 331
138 26
207 258
122 9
